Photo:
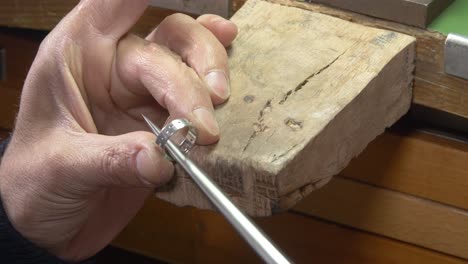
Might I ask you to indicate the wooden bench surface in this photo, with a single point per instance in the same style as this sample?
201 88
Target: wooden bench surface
189 235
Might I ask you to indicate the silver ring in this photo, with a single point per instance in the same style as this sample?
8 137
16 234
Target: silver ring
170 129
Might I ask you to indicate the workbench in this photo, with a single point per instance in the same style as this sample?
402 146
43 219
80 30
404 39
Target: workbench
403 200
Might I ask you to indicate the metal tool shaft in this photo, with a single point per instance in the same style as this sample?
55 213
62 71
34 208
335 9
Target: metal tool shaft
246 228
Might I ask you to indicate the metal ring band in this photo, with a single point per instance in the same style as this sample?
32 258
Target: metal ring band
170 129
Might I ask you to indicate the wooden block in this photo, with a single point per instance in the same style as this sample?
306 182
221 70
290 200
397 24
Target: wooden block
309 92
415 163
188 235
432 88
392 214
410 12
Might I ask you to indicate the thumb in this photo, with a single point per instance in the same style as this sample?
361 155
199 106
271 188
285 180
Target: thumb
111 18
129 160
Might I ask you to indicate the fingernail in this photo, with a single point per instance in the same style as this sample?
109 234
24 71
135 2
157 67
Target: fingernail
218 83
206 118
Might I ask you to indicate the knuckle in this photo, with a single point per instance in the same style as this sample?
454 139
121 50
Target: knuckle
52 53
57 155
150 49
149 60
117 161
56 42
46 52
59 160
193 47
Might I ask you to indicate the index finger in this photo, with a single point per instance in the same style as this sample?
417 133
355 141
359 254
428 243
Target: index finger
200 49
146 69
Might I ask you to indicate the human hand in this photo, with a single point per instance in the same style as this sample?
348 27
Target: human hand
79 165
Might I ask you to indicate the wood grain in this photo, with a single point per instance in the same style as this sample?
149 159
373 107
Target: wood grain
415 163
409 12
298 81
188 235
403 217
432 87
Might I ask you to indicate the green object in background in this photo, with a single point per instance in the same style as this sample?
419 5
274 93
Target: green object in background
453 20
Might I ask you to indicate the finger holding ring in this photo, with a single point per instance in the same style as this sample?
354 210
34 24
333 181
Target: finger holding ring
173 128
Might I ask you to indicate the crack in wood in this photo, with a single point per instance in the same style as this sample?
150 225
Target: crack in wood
303 83
259 126
265 109
275 158
286 96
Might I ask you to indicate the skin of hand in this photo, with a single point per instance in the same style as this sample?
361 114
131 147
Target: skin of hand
81 161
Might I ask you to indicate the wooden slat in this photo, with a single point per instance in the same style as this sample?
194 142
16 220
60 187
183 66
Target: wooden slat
4 134
33 14
9 99
407 218
188 235
415 163
20 48
410 12
45 14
